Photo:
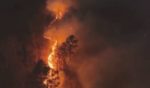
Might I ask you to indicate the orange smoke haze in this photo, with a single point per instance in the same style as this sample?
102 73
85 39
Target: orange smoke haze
61 31
58 8
57 32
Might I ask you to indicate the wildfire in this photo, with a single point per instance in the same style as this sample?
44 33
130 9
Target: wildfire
58 8
53 80
59 51
52 57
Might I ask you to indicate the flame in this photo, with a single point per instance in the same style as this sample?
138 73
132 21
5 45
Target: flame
58 8
51 57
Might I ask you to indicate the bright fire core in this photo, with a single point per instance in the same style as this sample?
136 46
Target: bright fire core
51 57
52 79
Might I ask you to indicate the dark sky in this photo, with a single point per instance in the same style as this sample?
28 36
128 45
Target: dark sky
115 36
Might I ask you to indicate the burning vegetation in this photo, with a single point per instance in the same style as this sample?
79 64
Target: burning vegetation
58 60
56 66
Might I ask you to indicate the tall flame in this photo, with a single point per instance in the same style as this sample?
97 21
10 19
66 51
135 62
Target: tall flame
58 9
51 57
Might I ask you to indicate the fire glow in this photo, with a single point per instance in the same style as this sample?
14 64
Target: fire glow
53 80
58 8
52 57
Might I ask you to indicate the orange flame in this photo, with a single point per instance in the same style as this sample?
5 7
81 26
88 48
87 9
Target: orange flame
58 8
51 57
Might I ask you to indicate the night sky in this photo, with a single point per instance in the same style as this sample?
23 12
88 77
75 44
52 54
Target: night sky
114 37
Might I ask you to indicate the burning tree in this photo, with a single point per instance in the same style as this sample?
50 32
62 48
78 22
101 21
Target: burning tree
61 50
62 56
65 51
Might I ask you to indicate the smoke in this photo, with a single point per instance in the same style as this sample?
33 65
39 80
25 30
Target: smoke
59 7
113 36
62 30
62 25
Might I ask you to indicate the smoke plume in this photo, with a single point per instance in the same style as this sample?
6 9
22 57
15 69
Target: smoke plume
113 47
